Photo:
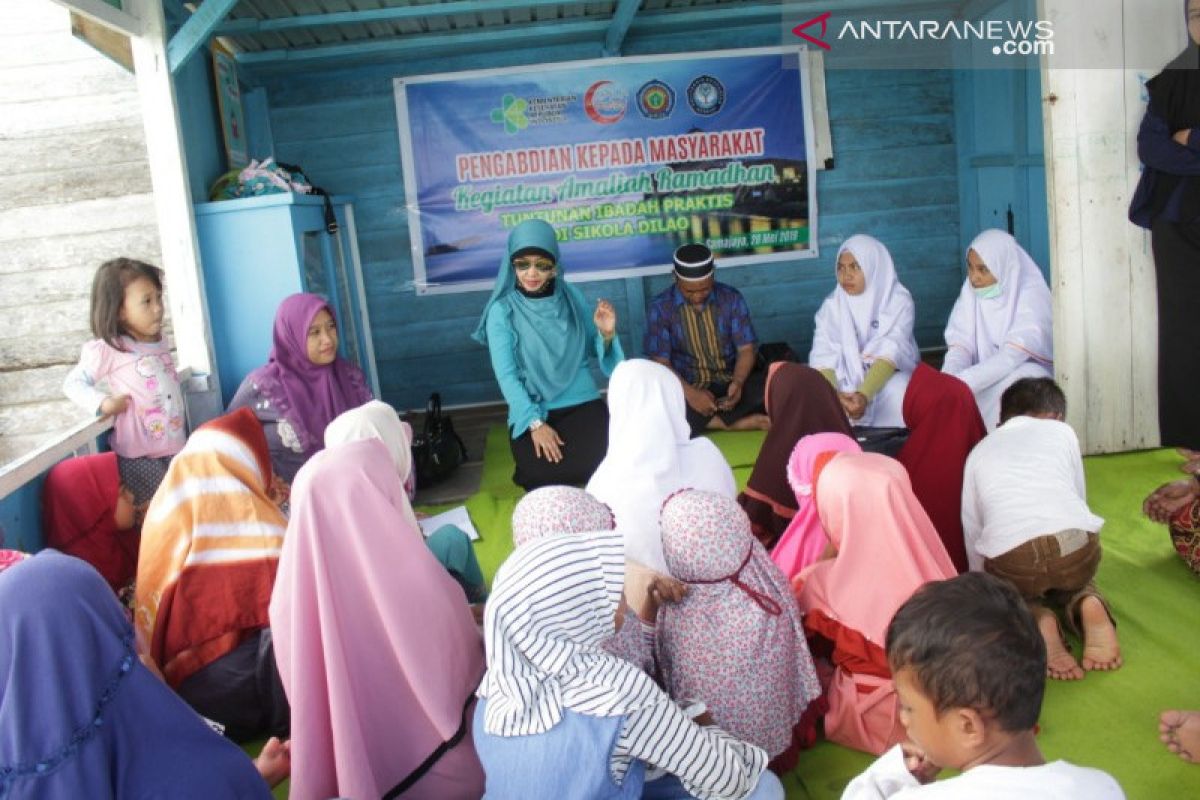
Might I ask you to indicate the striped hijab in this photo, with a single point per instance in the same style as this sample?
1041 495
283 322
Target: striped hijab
210 546
552 603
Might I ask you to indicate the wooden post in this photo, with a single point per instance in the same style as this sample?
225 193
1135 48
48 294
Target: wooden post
172 195
1102 274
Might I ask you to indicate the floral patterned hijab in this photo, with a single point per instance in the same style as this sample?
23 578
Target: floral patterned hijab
736 640
554 510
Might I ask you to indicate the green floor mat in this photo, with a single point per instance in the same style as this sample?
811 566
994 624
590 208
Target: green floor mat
1107 720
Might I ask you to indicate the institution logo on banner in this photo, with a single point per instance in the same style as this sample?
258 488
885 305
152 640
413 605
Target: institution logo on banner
706 95
627 160
656 100
605 102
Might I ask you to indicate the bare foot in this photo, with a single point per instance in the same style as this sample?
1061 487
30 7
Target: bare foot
1180 732
1100 647
1060 664
752 422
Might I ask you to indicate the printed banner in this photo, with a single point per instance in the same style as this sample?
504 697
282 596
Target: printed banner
627 159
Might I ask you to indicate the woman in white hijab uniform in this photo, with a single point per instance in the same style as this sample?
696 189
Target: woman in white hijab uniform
651 456
1002 325
863 342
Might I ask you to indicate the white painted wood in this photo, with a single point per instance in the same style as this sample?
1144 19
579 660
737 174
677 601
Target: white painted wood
136 238
17 473
53 81
48 418
1102 273
114 18
38 116
85 216
77 191
34 386
76 183
72 148
172 194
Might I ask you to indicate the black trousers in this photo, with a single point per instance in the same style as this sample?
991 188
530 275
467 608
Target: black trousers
751 402
1177 269
584 431
242 691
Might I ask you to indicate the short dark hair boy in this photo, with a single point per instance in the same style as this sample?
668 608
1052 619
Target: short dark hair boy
969 665
1033 397
971 642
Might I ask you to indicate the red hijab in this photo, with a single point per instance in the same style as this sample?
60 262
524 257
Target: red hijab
944 424
78 501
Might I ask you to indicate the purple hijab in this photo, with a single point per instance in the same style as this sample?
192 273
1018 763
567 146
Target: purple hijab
80 716
308 395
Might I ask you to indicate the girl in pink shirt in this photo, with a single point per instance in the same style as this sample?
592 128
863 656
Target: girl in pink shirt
127 372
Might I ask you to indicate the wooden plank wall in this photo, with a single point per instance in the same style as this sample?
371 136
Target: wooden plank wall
76 191
895 178
1105 312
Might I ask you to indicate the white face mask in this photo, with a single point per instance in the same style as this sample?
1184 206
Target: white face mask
988 292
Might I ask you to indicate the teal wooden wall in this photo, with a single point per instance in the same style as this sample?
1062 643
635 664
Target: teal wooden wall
896 177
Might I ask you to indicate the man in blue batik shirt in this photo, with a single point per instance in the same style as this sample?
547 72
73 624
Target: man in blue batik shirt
701 329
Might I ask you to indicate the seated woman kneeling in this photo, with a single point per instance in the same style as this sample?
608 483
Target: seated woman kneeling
303 385
863 342
210 547
538 330
1001 327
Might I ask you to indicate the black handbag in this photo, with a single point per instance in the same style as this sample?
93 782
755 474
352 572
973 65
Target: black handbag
437 451
886 441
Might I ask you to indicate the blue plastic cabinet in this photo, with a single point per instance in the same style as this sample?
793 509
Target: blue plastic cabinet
255 251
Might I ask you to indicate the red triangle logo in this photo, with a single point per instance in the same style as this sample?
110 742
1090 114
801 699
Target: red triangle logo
823 20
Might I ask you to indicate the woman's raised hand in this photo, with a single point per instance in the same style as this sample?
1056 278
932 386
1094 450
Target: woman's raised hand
605 319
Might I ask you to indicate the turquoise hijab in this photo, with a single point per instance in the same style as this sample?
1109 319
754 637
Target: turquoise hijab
551 332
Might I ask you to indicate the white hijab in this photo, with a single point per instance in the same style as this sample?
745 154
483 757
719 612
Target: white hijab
377 420
854 331
552 603
1022 316
651 456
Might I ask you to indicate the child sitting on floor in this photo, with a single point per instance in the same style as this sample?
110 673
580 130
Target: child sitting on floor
968 661
1026 519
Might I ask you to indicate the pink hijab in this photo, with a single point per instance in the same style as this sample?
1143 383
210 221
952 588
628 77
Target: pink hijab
887 547
735 641
362 611
804 540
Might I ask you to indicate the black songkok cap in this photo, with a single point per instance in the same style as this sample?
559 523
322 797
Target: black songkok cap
694 262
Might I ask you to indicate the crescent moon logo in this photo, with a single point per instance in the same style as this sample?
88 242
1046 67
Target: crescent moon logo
605 102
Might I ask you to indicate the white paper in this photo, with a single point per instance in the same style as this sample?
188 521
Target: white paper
455 516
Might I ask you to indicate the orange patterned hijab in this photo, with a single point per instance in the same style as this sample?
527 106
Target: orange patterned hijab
210 547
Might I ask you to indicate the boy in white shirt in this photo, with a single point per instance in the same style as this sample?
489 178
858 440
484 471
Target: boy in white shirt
1026 519
969 665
